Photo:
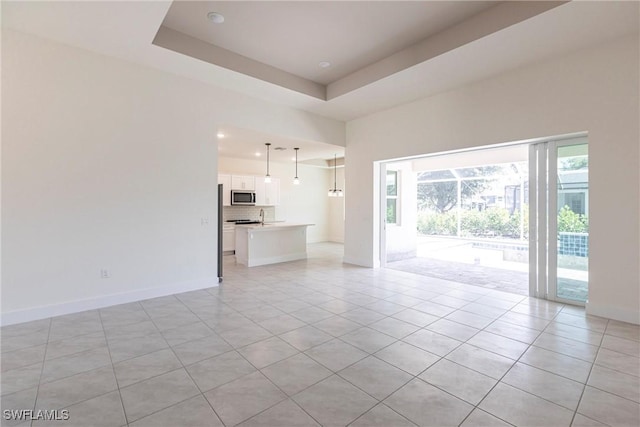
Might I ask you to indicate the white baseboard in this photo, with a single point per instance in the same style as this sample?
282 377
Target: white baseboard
615 313
358 261
254 262
44 312
319 239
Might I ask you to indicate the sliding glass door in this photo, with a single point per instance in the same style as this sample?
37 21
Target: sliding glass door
559 249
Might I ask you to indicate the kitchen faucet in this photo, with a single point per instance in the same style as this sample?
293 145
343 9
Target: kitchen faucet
262 217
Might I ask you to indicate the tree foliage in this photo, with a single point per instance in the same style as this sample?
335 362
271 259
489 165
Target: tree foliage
443 196
574 163
438 196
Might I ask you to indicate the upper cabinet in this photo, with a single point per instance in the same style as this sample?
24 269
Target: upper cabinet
225 180
267 194
273 192
242 182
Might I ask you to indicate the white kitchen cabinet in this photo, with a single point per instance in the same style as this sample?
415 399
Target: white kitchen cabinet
273 192
267 194
261 190
228 239
225 180
269 244
242 182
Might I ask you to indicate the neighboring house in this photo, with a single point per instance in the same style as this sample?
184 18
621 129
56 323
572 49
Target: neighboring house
573 186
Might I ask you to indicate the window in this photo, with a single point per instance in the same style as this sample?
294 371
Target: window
393 216
575 201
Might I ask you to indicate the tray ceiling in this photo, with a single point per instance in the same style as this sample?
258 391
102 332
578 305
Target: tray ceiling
284 42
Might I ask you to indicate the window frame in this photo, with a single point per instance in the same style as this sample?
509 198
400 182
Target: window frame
395 197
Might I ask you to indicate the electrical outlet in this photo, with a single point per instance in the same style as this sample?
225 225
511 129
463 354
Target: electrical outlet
105 274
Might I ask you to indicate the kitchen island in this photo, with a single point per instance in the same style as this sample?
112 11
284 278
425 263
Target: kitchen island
258 244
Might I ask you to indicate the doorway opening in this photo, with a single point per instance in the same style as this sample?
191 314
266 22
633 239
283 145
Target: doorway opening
465 217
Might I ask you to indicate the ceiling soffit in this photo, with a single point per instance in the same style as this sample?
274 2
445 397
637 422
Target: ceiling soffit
249 144
424 38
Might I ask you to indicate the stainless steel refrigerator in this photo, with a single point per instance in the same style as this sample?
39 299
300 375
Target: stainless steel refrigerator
220 192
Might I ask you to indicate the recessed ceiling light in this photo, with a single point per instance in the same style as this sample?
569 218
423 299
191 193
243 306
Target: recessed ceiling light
258 154
220 135
215 17
293 159
324 64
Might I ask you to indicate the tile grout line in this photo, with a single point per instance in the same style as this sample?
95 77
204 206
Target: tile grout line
589 375
35 403
525 391
278 387
183 367
497 382
336 373
79 373
413 377
113 369
386 406
332 372
257 370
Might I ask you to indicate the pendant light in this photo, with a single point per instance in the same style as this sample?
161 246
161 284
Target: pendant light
267 178
296 180
335 192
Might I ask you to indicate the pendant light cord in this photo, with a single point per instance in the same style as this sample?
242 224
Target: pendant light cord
267 144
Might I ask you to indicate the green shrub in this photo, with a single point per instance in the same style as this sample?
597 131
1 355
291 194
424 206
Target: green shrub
439 224
492 222
514 224
473 223
572 222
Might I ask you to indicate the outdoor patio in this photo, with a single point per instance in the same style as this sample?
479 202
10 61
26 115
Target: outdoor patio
461 260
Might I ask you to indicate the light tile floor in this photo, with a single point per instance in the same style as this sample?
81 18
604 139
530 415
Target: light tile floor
317 342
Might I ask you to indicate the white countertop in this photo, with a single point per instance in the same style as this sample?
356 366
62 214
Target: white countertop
271 226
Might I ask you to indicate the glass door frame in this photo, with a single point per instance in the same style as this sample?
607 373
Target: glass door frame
543 218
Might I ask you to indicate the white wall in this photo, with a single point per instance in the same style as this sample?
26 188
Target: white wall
109 164
594 90
306 202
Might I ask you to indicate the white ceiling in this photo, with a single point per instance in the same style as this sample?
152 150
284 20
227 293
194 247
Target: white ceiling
296 36
126 29
280 42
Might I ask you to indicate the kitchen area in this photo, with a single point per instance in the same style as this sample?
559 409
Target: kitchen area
250 230
274 197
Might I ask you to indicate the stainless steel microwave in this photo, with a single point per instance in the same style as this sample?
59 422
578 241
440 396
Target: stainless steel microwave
243 197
